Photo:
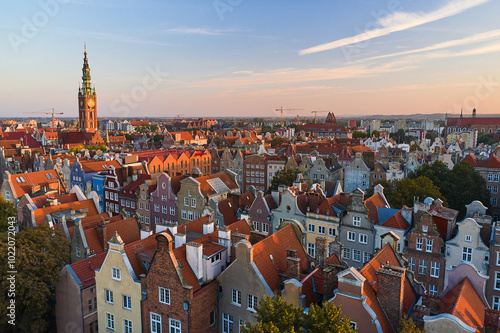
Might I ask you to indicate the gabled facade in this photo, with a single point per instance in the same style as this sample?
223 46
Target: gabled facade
164 201
258 272
111 190
425 250
467 246
260 215
357 175
118 284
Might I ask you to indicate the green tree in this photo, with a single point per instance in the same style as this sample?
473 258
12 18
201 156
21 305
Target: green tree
405 190
486 138
408 326
326 318
277 140
388 188
437 172
376 133
274 315
158 137
359 135
40 255
463 185
283 177
7 210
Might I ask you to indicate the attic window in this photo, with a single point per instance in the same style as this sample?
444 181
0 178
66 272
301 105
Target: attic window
272 258
49 176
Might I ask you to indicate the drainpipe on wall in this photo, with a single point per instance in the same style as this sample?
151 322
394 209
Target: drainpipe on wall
185 304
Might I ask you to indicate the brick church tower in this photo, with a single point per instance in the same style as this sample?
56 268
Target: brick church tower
87 100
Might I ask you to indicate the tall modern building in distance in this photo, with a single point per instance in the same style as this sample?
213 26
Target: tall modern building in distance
87 103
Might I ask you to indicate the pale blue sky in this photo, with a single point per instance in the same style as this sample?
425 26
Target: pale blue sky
232 57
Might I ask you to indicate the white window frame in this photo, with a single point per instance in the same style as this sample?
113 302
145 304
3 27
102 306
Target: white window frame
127 326
193 202
116 274
172 211
174 325
236 297
164 295
155 321
265 228
356 255
435 267
227 323
110 321
428 245
186 201
419 244
496 285
366 257
331 232
363 238
495 303
356 221
108 296
311 249
433 289
346 253
422 267
351 236
411 264
311 227
467 254
251 303
321 230
127 302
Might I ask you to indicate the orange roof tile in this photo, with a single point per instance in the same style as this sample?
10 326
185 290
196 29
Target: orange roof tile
276 245
464 303
89 204
396 221
376 200
25 182
61 198
312 285
85 269
96 166
207 189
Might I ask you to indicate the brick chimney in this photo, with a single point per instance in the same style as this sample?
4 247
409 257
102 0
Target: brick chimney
102 234
292 264
390 292
321 251
330 280
491 320
236 237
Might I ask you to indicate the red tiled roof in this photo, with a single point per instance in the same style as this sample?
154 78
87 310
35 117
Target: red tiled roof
38 178
61 198
207 190
311 200
376 200
372 301
134 186
40 213
325 208
85 269
187 272
276 245
127 229
333 259
387 256
464 303
144 246
396 221
96 166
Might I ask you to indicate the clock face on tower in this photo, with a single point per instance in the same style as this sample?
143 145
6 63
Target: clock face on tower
90 103
81 103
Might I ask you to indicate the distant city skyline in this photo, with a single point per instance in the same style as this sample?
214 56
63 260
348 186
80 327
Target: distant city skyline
246 58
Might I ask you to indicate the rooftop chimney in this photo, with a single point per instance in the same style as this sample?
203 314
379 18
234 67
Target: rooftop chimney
292 265
390 292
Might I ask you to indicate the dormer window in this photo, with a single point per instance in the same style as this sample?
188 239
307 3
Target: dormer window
468 238
425 228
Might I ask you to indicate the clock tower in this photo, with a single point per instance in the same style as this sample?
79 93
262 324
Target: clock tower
87 107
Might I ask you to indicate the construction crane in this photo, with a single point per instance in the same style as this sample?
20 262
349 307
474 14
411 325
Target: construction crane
281 109
316 115
52 113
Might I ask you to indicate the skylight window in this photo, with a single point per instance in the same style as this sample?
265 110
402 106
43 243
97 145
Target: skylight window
218 185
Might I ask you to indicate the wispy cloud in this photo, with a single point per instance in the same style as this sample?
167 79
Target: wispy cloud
287 76
481 37
243 72
399 21
490 48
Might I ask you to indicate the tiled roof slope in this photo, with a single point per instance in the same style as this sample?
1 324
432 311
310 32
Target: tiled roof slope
276 245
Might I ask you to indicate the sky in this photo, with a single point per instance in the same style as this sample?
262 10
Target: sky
232 58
